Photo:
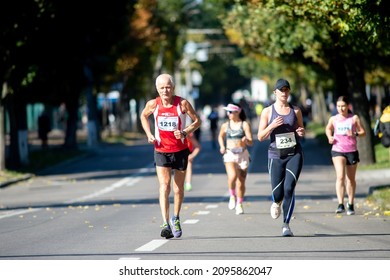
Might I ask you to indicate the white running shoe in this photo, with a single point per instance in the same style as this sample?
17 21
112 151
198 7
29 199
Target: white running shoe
239 209
350 209
275 210
286 231
232 202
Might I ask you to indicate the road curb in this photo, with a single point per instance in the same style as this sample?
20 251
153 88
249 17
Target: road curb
16 180
372 189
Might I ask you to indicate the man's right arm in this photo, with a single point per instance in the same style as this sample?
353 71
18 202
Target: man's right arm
146 112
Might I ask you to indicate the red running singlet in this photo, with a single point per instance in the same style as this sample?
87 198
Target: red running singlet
166 121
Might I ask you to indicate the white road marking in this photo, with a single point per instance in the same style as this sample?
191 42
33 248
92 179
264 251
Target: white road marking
128 181
190 221
202 212
211 206
18 212
152 245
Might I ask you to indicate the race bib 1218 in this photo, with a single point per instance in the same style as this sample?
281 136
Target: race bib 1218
168 123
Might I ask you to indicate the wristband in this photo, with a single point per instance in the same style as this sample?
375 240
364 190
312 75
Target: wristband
356 134
184 133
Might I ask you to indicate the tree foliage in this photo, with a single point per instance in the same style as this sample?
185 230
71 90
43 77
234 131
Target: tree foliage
52 50
343 38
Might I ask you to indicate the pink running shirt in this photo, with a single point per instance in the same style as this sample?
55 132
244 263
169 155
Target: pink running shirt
342 142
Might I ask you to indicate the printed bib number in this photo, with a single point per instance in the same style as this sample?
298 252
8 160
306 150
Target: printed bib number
342 128
285 140
167 123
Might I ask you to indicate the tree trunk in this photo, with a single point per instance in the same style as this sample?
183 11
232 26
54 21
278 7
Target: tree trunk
21 116
356 88
2 126
72 107
319 110
13 159
92 126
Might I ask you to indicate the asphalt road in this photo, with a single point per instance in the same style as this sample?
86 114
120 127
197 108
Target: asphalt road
105 207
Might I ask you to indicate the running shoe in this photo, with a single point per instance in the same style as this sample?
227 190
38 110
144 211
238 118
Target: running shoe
166 231
187 187
340 209
275 210
239 209
232 202
176 228
350 209
286 231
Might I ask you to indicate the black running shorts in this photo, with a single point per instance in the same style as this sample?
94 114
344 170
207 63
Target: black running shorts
177 160
352 157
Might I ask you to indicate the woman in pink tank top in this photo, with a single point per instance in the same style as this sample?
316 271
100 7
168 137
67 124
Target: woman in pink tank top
342 131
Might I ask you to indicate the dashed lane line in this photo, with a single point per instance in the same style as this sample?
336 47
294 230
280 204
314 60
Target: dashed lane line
202 212
211 206
18 212
156 243
128 181
191 221
151 246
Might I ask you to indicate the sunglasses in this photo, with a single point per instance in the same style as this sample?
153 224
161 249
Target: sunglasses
231 112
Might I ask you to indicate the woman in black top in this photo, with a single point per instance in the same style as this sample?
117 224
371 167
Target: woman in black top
283 124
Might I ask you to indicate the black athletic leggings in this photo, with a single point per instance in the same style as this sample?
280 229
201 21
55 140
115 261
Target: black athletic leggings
284 174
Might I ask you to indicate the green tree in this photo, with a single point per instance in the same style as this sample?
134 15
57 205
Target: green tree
157 34
150 47
341 37
52 52
19 22
220 75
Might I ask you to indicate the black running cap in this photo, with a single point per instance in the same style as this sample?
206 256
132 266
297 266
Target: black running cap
281 83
